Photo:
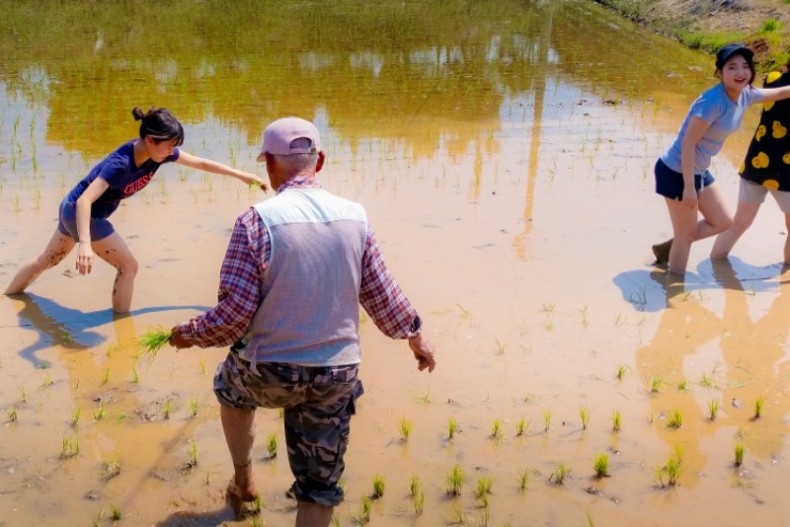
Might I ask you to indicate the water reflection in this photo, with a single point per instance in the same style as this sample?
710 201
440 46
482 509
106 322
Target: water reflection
71 329
713 368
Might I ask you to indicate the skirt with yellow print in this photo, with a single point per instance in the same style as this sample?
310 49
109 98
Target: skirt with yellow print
767 161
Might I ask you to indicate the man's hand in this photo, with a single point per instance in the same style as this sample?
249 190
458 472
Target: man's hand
178 341
423 352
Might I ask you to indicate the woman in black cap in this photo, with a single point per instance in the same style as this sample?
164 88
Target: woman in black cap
765 169
682 174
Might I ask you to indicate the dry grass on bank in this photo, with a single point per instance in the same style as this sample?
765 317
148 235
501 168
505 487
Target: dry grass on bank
764 25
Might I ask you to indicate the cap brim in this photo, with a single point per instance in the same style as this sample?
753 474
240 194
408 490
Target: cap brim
261 157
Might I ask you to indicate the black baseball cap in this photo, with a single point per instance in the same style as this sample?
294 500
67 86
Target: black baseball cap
726 52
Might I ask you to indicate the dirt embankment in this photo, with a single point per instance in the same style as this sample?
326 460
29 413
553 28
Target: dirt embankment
763 25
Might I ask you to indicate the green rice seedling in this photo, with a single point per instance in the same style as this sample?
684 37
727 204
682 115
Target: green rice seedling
364 510
622 369
706 381
601 465
758 407
414 485
617 421
194 406
683 386
75 417
496 430
675 419
152 340
521 427
167 408
22 393
111 469
47 380
99 413
13 417
192 452
713 409
280 412
500 348
105 376
483 489
135 375
546 420
656 383
583 312
115 513
671 470
121 417
739 451
378 486
455 481
452 428
547 307
405 429
523 479
559 475
419 502
202 367
425 398
584 415
70 447
271 445
458 514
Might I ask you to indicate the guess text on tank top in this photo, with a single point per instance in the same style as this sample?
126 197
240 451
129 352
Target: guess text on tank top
138 184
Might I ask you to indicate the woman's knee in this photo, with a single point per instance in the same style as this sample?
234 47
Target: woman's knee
128 267
722 224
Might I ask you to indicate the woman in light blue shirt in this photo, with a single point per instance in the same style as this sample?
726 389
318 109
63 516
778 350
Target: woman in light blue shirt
682 175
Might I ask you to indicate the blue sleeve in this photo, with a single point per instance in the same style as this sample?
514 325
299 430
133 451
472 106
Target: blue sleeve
754 95
113 170
707 107
172 157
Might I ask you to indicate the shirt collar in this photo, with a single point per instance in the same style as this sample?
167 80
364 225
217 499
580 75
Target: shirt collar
299 182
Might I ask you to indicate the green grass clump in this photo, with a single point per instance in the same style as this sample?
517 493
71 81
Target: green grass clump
271 445
601 465
455 481
152 340
675 419
452 428
378 486
559 475
405 429
758 407
739 450
617 421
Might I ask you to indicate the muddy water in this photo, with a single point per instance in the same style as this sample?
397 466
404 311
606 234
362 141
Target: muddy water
504 157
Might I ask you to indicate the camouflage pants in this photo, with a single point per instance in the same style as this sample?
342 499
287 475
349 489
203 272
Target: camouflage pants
318 403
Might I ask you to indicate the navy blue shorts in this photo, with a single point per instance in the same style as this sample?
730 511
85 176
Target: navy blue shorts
670 183
67 223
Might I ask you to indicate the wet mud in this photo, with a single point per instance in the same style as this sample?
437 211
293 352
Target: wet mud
512 195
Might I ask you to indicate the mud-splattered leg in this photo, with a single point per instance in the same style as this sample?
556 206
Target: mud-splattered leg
115 252
58 247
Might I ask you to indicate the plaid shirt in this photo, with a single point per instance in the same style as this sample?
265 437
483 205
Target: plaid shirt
241 276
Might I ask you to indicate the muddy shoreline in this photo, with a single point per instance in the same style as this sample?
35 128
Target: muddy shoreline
764 25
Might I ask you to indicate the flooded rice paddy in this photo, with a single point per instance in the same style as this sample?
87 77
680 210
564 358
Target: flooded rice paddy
505 160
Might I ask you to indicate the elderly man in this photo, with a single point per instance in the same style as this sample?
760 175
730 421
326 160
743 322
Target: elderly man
296 270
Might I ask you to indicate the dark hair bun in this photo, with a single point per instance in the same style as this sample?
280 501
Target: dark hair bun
138 113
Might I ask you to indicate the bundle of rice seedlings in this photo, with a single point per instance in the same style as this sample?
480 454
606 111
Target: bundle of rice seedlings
152 340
